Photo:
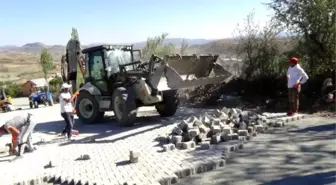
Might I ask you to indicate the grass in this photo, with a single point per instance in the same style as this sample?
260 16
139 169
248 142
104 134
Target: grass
22 66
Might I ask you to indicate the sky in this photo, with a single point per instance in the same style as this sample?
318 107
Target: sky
117 21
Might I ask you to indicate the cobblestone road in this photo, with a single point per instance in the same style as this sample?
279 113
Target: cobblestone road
108 146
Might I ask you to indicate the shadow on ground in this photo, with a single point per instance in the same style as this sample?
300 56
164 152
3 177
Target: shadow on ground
149 120
302 153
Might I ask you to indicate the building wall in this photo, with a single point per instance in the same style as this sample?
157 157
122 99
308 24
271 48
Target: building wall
27 88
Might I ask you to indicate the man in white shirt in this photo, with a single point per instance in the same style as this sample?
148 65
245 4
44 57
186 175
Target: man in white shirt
295 77
66 100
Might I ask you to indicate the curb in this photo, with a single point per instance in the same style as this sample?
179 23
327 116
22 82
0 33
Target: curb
185 171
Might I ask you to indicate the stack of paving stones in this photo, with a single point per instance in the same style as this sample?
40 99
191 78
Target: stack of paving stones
226 127
221 127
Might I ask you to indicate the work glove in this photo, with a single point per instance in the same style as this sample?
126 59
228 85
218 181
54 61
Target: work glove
297 85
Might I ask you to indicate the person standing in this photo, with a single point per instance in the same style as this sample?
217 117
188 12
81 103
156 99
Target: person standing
66 100
296 76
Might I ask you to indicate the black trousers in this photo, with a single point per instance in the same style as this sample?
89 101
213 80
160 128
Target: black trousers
69 124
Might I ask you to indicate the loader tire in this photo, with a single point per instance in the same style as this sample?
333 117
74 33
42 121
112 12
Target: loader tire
87 108
124 106
169 105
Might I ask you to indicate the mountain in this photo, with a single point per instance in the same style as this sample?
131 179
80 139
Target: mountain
37 47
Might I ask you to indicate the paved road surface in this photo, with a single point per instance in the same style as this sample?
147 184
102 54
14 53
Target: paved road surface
303 154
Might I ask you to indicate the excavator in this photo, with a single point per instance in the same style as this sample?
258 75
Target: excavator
114 80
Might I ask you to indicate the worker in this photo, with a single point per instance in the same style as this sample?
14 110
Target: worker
66 100
21 128
296 76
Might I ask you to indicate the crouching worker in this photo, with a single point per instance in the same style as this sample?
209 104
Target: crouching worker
67 110
21 128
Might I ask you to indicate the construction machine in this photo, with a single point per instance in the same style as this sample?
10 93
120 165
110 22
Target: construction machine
116 81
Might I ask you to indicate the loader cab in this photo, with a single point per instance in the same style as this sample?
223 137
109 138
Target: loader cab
103 64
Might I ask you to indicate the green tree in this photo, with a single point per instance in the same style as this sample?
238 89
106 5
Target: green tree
184 47
259 49
313 22
154 45
46 62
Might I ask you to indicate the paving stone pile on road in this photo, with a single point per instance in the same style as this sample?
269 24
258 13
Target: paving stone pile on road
107 149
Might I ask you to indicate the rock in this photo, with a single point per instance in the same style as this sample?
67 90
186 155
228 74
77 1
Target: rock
259 128
177 131
242 132
193 132
254 134
176 139
205 145
134 156
215 129
215 139
235 130
188 145
200 138
168 147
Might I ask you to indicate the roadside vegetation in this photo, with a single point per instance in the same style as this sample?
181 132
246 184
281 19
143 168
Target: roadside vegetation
310 29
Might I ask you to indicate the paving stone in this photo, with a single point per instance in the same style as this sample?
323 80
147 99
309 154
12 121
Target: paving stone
279 123
188 145
168 147
193 132
177 131
215 129
215 139
226 130
182 125
242 132
176 139
134 156
203 129
205 145
250 129
234 136
259 128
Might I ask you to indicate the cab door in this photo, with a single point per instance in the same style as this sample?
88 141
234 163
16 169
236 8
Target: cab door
97 71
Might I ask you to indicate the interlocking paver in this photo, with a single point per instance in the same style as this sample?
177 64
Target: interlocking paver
108 147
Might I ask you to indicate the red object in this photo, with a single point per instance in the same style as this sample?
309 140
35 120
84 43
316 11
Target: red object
75 132
294 60
297 85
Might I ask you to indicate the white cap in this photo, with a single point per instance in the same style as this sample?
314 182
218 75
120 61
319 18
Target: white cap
65 86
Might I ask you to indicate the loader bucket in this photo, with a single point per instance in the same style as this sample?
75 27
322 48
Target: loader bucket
193 70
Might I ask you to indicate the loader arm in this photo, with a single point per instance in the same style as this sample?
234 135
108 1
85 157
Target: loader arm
70 61
202 73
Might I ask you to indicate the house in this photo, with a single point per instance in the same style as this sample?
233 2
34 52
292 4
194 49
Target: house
29 86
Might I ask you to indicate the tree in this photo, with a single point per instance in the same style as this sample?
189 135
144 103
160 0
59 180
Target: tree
184 47
259 48
154 45
47 65
313 21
